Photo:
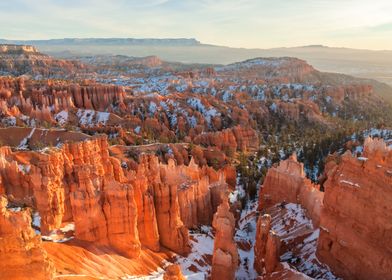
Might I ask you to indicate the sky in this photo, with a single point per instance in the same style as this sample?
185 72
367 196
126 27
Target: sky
365 24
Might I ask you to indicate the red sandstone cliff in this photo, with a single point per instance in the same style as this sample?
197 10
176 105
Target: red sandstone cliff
287 183
356 238
230 140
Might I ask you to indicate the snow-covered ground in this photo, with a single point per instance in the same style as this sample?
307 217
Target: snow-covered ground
61 117
246 235
91 117
238 193
24 144
156 275
197 265
292 225
60 235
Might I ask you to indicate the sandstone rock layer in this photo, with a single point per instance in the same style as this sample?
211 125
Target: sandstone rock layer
356 228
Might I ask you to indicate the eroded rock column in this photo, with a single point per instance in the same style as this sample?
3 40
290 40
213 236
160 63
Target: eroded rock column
225 256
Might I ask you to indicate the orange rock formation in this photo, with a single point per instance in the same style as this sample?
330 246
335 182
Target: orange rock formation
287 183
267 247
21 252
173 272
225 257
356 238
262 233
112 201
230 140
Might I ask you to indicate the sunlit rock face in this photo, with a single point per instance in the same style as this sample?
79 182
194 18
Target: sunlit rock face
230 140
287 183
30 96
355 228
111 201
225 256
77 183
21 252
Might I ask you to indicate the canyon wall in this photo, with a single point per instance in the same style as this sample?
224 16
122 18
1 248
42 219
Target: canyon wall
287 183
356 222
230 140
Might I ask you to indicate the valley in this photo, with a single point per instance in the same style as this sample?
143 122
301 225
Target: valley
122 167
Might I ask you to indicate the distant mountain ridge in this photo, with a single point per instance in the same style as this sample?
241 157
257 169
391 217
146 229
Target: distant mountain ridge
108 41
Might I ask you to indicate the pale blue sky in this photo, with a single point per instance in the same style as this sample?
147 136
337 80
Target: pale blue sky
237 23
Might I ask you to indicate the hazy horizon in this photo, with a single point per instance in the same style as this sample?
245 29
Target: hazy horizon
247 24
190 38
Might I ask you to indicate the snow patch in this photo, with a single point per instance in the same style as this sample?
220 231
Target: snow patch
350 183
202 243
24 168
23 145
61 117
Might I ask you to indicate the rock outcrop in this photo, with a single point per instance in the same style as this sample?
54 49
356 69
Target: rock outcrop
262 233
230 140
21 252
272 252
267 247
225 256
147 174
17 49
173 272
356 229
287 183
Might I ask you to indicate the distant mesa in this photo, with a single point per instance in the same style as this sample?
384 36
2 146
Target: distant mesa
17 49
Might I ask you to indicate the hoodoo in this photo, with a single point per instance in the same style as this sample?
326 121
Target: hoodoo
225 257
